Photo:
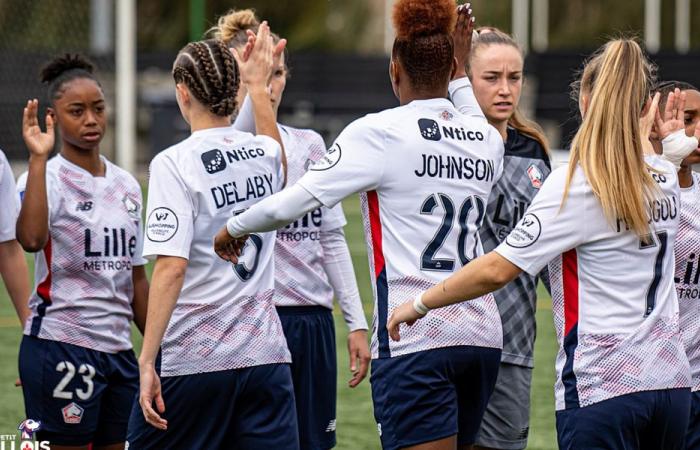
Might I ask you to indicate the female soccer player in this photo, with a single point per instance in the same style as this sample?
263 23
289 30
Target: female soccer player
81 214
496 73
687 247
224 363
13 266
426 172
607 224
312 263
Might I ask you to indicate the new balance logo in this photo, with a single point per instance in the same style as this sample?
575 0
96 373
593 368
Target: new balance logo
331 426
84 206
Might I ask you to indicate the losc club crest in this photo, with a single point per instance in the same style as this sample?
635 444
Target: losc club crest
446 115
72 413
131 207
535 175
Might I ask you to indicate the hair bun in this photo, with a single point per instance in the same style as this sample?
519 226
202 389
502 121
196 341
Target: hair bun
233 23
62 64
418 18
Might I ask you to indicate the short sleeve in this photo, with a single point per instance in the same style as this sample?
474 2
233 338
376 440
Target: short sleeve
138 259
170 214
52 192
355 163
547 229
333 218
10 201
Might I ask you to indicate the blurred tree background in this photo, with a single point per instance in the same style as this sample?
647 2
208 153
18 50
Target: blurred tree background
327 25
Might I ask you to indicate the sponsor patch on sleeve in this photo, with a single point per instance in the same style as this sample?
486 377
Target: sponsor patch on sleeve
526 233
162 225
328 160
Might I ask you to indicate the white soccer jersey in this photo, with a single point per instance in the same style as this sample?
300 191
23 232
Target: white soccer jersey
9 200
83 277
224 317
687 252
613 297
300 279
427 172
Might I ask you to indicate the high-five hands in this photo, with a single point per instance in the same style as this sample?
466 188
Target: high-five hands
462 36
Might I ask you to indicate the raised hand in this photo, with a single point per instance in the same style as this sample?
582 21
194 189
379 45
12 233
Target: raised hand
673 115
462 37
646 122
38 143
257 68
228 248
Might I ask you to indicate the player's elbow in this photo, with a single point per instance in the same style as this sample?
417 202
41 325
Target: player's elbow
31 243
499 271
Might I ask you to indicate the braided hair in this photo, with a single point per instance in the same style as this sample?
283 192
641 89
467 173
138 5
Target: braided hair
423 43
209 70
63 69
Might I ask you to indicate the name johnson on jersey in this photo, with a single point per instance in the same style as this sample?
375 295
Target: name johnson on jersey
452 167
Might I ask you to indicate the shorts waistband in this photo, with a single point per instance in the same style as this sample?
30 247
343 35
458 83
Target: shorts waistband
302 310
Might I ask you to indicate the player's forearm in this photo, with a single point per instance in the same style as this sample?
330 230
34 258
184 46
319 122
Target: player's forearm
166 283
265 119
274 212
13 268
481 276
33 221
245 120
462 95
337 263
139 304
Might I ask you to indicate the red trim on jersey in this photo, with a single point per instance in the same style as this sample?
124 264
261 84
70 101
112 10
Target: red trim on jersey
44 288
569 263
375 224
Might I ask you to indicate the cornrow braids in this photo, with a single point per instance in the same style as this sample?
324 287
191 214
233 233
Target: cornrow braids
209 70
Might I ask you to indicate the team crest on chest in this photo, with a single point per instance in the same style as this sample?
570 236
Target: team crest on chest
446 115
535 175
132 207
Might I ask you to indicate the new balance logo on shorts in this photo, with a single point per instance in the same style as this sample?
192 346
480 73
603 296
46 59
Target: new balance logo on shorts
213 161
331 426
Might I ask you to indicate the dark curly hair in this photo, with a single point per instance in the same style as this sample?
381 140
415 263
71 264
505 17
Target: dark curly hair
63 69
423 43
209 70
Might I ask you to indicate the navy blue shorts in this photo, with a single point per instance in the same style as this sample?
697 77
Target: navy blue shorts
79 395
649 420
310 334
250 408
692 440
433 394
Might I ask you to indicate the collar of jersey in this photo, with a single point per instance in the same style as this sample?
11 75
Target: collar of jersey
76 167
214 130
433 102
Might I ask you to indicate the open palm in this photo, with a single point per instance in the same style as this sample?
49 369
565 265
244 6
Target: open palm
38 142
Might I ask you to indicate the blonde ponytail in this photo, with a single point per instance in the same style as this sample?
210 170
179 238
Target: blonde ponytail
608 145
231 28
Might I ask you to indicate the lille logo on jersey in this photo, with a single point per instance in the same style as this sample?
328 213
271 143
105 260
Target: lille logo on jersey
535 175
213 161
429 129
72 413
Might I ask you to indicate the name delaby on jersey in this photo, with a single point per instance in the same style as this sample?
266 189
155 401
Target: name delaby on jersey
109 248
